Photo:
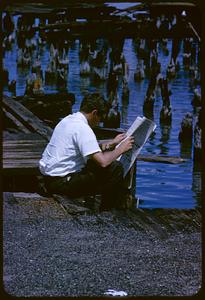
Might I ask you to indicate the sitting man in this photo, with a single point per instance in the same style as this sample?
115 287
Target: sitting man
73 163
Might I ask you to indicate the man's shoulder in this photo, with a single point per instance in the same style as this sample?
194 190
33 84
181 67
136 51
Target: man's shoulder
75 122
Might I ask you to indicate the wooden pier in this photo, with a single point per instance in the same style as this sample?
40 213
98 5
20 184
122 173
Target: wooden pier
92 20
22 153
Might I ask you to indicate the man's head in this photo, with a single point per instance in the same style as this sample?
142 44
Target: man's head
94 107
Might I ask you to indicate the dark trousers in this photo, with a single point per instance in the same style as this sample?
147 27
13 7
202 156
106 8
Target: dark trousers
92 180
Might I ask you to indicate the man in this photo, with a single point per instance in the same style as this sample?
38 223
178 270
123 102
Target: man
73 162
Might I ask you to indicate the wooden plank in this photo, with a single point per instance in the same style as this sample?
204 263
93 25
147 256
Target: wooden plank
27 148
21 151
28 162
15 121
24 142
22 156
26 117
24 146
37 154
161 159
173 4
21 163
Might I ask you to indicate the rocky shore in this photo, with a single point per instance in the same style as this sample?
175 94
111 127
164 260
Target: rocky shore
51 252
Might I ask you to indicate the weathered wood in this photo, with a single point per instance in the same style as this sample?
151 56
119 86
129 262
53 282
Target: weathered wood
108 26
20 163
19 155
26 117
161 159
69 206
15 121
24 141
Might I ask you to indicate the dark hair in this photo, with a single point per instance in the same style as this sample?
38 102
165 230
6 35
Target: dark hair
94 101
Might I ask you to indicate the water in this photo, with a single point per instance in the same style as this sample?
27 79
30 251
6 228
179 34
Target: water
157 184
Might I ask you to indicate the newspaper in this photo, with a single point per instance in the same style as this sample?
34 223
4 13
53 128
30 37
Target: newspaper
141 130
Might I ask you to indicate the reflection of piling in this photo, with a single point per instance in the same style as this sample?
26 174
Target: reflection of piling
112 83
185 134
5 77
187 52
165 113
116 56
8 24
125 91
165 136
12 87
196 101
139 73
171 70
100 66
175 49
150 98
113 117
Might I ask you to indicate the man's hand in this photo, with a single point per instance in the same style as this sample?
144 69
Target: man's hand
105 158
118 139
110 145
126 144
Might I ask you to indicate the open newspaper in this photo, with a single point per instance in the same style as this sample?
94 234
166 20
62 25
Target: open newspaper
141 130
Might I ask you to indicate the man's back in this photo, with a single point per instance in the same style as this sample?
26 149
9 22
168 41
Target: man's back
71 142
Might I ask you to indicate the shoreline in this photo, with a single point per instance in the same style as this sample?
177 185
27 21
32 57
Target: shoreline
143 252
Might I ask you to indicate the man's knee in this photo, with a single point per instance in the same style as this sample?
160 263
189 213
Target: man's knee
116 168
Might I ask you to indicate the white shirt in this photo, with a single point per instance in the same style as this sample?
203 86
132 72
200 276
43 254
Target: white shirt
71 143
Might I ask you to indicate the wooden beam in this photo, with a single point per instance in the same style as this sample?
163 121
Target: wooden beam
25 154
26 117
16 122
161 159
109 27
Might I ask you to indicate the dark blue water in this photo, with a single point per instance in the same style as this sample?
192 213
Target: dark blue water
157 184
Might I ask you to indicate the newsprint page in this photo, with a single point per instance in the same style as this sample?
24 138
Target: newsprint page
141 130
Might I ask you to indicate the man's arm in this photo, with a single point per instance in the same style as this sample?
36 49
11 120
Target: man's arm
111 144
104 159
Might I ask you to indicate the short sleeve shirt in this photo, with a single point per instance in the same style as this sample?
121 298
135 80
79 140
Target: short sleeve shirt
72 141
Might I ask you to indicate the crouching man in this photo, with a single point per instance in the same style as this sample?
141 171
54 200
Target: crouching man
74 164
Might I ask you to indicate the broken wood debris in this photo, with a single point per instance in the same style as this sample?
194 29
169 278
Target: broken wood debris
26 117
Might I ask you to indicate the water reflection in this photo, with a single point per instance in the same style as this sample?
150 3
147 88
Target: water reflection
186 150
165 136
124 113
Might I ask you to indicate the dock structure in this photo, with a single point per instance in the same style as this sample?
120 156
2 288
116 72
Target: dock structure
105 19
56 246
41 232
22 154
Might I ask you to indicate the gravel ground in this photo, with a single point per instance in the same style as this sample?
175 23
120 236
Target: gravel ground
48 252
